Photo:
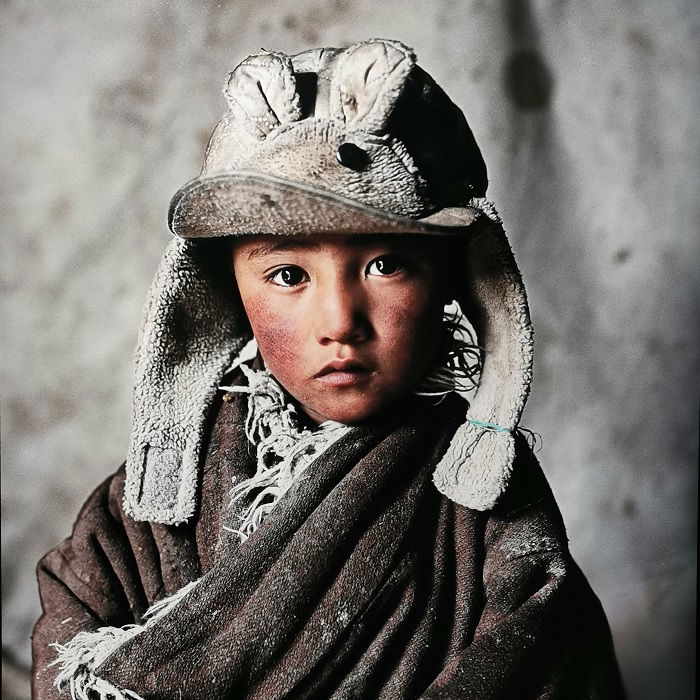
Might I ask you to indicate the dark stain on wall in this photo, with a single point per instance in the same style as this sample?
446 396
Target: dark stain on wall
125 103
527 80
621 256
640 41
60 210
629 507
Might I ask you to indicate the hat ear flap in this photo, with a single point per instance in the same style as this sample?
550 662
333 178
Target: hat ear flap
193 327
477 464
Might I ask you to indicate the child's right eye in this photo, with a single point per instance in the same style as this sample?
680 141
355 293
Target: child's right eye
289 276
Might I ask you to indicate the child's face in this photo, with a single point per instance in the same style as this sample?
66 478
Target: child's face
347 325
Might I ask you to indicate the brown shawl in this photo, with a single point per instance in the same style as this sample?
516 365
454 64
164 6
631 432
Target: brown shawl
364 582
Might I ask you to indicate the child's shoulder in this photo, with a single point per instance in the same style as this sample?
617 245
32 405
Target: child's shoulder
526 518
527 485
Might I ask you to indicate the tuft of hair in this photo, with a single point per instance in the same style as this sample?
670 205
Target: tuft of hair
459 358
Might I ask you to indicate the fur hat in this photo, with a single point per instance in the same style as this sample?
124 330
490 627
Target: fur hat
356 140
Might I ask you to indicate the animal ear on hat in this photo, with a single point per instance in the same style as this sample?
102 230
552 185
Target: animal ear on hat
263 88
368 81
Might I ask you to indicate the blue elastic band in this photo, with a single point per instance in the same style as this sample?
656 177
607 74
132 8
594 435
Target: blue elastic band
489 426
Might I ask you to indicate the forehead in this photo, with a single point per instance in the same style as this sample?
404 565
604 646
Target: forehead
256 247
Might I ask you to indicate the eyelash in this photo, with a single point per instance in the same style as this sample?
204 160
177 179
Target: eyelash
390 258
286 268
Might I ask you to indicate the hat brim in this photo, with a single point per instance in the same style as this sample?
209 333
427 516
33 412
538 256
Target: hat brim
245 203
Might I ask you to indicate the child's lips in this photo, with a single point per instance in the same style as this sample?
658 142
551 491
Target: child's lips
343 373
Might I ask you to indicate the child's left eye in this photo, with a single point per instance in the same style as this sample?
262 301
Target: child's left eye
385 265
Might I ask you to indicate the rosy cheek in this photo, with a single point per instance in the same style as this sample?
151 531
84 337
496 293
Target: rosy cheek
411 322
410 314
277 335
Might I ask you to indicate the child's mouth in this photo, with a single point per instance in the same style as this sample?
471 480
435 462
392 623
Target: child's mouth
343 373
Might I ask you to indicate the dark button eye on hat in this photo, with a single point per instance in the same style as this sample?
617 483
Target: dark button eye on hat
351 156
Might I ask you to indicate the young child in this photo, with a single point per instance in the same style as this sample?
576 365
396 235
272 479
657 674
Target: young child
309 507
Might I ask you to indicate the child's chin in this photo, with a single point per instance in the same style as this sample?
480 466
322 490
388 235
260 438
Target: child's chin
349 414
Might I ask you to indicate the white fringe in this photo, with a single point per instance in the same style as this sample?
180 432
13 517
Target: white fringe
78 658
284 449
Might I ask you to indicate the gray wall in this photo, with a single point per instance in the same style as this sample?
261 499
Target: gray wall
586 113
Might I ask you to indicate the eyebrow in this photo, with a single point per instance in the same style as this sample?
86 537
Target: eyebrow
281 244
284 244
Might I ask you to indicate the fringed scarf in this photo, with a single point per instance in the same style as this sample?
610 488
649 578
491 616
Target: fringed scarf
284 447
363 582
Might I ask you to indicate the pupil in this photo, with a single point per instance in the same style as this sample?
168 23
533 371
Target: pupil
290 276
386 266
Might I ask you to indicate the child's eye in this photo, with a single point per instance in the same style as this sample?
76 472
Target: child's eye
289 276
385 265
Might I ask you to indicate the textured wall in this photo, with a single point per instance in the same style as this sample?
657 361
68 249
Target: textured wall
586 114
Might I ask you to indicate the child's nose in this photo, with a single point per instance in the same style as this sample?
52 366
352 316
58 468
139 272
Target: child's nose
341 316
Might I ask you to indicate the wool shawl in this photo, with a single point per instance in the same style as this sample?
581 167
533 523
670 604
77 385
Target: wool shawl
363 582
